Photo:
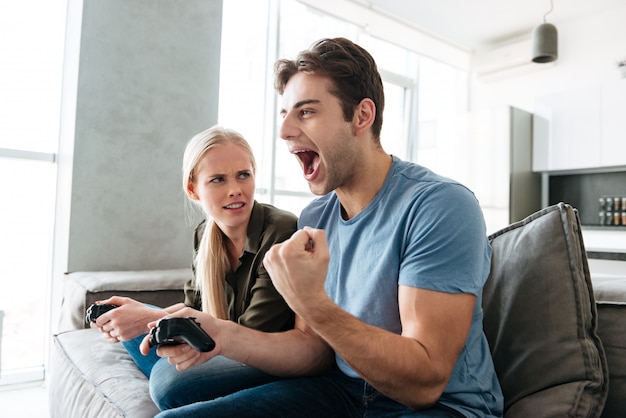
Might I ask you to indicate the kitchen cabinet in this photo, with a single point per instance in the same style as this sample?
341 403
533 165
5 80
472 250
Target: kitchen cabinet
613 126
567 131
581 129
489 151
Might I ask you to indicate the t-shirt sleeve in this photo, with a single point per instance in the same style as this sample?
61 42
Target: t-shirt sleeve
447 248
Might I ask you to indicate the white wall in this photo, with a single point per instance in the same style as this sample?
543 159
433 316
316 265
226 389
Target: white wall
589 50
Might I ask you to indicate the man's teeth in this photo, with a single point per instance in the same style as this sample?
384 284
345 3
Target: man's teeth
234 206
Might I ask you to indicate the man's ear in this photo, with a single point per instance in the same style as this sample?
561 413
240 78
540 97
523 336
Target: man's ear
364 116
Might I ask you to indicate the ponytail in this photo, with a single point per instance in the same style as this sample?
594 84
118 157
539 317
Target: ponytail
211 266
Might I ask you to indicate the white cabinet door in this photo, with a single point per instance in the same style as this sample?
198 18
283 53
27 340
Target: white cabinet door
541 137
572 121
613 115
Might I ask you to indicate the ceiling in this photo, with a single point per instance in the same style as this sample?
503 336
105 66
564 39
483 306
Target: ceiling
478 24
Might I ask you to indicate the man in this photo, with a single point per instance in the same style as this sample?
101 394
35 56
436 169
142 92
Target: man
386 272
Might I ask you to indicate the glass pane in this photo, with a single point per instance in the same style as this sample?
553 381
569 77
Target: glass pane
443 96
293 204
288 174
26 248
393 136
391 57
31 40
243 73
300 26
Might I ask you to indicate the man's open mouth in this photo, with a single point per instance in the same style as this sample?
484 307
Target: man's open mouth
309 160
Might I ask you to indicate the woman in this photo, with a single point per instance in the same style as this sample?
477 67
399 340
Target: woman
230 281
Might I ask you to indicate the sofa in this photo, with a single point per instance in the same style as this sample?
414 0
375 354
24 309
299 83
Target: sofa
557 335
90 377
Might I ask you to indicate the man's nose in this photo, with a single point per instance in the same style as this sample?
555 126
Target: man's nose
288 129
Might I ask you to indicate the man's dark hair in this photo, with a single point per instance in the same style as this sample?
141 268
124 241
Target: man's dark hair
351 69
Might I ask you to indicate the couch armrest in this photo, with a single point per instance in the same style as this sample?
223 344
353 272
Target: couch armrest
81 289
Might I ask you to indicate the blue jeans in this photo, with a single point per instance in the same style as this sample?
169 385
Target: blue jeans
145 363
171 388
331 395
220 376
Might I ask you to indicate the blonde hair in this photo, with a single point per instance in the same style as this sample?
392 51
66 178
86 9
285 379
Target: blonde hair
212 262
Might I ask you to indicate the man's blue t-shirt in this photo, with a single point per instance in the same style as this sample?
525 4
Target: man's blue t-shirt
420 230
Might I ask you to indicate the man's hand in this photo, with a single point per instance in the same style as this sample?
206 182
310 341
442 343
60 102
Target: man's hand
298 267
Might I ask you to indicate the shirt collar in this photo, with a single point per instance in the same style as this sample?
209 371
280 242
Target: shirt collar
255 228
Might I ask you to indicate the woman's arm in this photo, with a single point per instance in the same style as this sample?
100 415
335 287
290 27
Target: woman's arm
299 351
129 320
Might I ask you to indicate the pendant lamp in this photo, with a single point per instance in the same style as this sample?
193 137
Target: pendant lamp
545 41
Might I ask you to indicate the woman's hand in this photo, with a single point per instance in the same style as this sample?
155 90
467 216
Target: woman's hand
183 356
129 320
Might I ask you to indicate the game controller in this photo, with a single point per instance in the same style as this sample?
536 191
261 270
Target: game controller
172 331
95 310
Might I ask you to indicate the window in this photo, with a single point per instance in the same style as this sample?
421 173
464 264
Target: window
248 102
31 40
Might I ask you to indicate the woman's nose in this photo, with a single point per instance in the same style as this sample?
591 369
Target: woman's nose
234 190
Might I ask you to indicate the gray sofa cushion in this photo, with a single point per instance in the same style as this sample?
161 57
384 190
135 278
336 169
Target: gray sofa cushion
93 378
541 318
81 289
610 294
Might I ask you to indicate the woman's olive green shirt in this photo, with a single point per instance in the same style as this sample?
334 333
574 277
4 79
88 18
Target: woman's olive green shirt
251 297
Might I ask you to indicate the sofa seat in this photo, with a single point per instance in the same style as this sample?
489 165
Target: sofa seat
95 378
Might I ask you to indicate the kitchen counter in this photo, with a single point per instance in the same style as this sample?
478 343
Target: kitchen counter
606 251
605 243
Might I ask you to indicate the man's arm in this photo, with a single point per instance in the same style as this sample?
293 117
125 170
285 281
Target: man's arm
412 368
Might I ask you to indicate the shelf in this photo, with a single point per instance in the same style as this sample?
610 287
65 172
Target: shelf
604 227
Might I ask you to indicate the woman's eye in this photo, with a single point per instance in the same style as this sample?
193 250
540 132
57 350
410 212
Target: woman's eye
217 180
244 175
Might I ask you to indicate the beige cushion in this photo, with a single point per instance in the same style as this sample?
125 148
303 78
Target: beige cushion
541 319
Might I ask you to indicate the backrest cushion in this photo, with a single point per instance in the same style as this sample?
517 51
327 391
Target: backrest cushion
541 320
610 294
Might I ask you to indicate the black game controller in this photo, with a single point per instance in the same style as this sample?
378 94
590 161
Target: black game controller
95 310
172 331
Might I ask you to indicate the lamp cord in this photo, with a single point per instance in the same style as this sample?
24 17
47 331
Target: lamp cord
549 11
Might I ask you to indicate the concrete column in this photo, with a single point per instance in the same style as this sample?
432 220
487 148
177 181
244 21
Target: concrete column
140 78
